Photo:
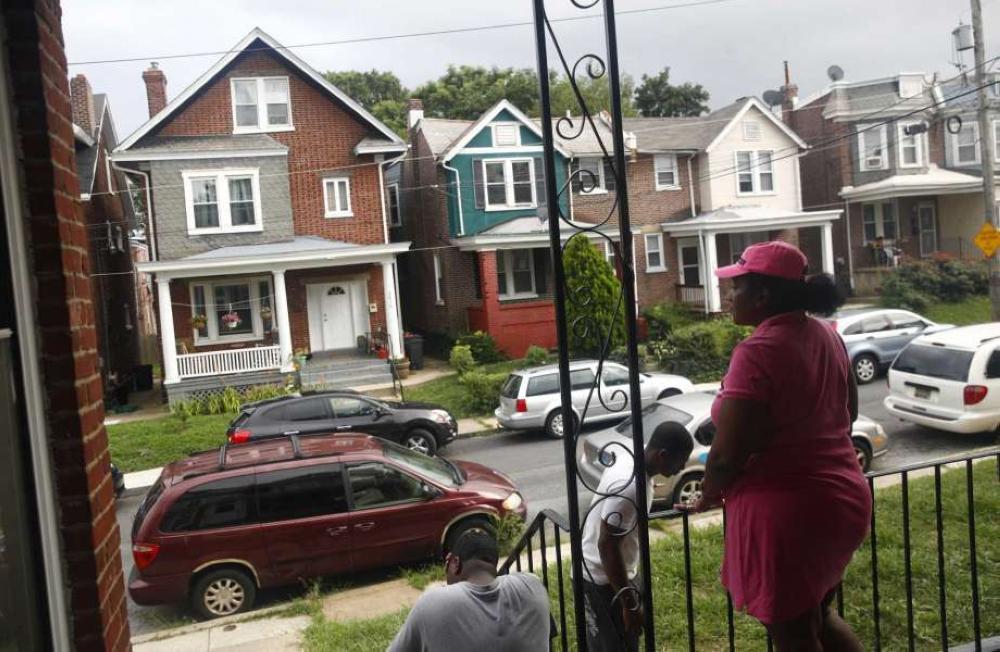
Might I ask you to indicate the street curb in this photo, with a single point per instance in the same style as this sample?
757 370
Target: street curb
193 628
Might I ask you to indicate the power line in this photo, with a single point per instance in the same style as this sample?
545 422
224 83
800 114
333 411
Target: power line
388 37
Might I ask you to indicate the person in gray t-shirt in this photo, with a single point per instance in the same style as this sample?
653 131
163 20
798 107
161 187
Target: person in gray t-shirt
478 611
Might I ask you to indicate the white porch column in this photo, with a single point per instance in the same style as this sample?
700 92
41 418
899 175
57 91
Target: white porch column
281 320
391 310
711 280
168 342
827 245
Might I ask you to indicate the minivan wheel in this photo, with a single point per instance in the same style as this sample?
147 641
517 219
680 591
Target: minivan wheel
223 592
688 489
554 424
419 440
864 455
865 368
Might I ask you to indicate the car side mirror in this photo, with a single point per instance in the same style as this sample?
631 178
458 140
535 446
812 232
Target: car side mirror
429 491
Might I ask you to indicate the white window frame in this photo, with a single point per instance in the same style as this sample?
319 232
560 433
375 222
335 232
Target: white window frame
517 134
864 132
336 211
508 176
752 238
919 143
222 196
688 243
755 172
212 327
508 271
438 280
395 218
262 125
956 161
657 238
609 254
599 187
878 215
660 159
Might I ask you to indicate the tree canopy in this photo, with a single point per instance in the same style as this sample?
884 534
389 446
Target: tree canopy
591 312
380 92
656 97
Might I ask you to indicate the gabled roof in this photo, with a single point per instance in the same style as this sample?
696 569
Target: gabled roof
86 158
214 146
488 117
268 42
440 133
741 108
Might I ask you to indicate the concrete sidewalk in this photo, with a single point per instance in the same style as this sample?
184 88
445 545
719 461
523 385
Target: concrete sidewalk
229 634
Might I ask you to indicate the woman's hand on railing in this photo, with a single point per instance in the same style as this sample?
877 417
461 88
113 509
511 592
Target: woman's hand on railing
703 504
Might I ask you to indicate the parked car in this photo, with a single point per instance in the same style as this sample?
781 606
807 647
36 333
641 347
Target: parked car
693 411
421 427
530 397
221 525
949 381
875 336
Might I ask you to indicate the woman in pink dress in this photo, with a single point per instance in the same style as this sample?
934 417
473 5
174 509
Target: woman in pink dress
797 503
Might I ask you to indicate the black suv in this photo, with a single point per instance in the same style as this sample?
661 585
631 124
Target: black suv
421 427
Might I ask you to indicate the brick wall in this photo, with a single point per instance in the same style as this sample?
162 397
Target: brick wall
58 261
321 146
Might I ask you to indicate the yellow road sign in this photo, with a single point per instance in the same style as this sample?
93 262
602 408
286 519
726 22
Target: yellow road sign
988 239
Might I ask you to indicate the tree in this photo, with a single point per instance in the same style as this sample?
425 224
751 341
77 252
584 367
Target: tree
380 92
595 92
593 295
656 97
465 92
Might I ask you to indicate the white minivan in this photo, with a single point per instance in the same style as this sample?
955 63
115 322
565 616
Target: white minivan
949 380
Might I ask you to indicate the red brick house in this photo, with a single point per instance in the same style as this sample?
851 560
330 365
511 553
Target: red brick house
268 224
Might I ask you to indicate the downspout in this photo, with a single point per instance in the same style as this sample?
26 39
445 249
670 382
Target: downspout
151 236
694 211
458 190
381 190
850 254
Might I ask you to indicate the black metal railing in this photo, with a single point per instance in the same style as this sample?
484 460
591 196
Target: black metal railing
880 625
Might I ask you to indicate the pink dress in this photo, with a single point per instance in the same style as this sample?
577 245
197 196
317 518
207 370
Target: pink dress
801 507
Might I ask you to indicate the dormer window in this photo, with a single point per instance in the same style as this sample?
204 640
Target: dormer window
871 147
261 104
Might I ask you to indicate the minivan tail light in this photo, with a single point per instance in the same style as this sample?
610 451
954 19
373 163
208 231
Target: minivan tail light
144 554
522 405
974 394
240 436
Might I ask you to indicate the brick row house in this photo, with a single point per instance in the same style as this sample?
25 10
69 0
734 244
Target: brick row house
701 190
111 218
901 156
268 226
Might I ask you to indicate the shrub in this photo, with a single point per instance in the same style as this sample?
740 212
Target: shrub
914 286
461 359
593 305
226 402
536 356
509 530
483 390
700 351
483 346
664 317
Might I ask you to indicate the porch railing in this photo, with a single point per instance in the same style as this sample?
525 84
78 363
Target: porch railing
904 575
233 361
691 294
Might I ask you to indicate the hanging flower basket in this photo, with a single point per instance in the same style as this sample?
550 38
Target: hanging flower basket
231 320
199 322
265 313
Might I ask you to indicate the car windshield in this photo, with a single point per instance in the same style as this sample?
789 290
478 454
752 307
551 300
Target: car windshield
652 416
435 468
935 362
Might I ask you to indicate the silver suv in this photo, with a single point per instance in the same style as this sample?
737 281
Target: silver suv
530 398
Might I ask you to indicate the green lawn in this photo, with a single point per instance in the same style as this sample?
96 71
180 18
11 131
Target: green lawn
450 394
710 600
974 310
139 445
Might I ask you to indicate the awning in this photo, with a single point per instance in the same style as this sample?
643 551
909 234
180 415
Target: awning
530 231
744 219
933 182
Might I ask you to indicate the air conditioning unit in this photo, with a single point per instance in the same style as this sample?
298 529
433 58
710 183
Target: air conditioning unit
873 162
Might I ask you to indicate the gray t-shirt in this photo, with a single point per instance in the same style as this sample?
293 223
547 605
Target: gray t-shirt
511 614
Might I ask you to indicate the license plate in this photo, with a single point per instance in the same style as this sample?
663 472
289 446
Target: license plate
921 392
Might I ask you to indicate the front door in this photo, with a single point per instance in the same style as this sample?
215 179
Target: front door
928 228
338 322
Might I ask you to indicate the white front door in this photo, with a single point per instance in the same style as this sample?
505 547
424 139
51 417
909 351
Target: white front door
336 316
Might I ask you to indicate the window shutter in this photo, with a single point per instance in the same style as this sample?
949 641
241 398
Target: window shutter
574 168
542 263
609 176
540 195
479 184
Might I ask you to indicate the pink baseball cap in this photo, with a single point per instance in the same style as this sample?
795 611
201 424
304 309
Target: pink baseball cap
775 258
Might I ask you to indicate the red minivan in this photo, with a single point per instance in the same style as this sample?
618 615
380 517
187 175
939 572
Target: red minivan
220 525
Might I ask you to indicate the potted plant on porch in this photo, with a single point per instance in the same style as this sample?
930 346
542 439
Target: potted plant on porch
401 367
199 322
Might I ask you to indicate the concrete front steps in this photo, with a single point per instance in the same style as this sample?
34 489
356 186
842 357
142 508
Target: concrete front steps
345 372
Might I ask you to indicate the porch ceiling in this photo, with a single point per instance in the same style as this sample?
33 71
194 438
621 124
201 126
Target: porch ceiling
933 182
735 219
303 252
528 231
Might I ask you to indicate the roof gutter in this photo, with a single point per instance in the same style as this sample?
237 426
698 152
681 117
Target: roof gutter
458 190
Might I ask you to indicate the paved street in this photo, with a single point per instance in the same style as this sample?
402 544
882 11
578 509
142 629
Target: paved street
536 466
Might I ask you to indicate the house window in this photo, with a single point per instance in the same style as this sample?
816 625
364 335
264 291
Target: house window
754 172
337 197
965 144
609 253
506 135
395 219
871 147
751 130
509 183
738 243
221 201
654 252
516 274
687 258
438 281
879 221
261 104
231 309
911 147
666 171
591 176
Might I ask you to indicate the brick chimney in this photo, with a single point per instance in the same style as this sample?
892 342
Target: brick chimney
789 98
414 112
82 99
156 88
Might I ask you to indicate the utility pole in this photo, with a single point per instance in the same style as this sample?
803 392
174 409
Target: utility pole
986 151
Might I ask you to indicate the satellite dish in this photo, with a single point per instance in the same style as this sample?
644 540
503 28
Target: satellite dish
835 73
773 98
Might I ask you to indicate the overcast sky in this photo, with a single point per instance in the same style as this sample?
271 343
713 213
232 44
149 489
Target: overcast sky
733 48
